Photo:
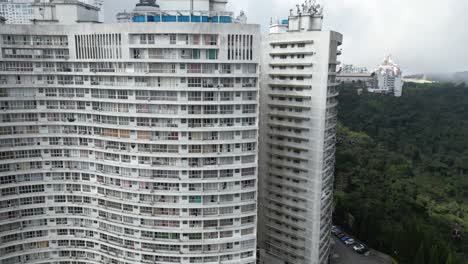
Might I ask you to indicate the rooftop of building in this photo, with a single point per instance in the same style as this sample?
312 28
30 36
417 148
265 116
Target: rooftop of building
307 16
189 11
65 2
17 1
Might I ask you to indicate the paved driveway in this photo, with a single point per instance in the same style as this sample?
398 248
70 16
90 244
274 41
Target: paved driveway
343 254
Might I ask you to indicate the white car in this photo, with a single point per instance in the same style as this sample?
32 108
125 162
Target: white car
349 241
358 247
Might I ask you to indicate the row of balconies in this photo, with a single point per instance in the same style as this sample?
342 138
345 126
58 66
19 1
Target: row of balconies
69 164
289 130
288 198
82 253
285 101
149 72
251 87
305 94
235 224
175 114
289 163
292 184
298 175
289 143
290 245
303 115
56 56
140 224
129 180
217 240
67 138
149 189
132 127
123 173
132 219
289 123
297 232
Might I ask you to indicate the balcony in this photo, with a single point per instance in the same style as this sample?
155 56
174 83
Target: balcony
291 83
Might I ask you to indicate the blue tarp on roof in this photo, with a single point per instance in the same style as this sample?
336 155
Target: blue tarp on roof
183 19
139 19
169 19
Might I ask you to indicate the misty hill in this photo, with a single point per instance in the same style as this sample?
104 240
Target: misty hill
457 77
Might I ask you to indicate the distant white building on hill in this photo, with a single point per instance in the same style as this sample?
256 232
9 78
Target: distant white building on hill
16 11
389 78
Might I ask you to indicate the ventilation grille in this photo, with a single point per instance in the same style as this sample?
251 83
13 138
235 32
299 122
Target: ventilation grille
98 46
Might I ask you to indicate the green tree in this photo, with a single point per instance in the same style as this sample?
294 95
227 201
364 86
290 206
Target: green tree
434 255
419 258
450 259
401 166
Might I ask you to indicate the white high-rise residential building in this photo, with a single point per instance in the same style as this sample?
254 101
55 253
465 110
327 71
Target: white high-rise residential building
16 11
297 142
389 78
132 142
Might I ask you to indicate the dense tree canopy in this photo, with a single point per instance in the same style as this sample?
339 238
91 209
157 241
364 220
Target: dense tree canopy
402 171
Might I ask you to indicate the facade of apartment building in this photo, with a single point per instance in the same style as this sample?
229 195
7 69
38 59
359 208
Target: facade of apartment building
132 142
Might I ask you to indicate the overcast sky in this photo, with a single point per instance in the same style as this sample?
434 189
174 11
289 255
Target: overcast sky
422 35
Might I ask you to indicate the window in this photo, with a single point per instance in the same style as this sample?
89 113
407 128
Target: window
173 39
195 236
194 82
195 199
196 54
211 54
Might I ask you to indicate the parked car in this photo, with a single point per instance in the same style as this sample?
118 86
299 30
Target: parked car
340 235
344 238
363 251
358 247
349 241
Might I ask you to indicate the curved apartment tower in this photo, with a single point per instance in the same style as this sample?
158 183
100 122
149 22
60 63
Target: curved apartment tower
131 142
297 143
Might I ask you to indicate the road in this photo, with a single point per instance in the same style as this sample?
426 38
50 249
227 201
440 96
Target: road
343 254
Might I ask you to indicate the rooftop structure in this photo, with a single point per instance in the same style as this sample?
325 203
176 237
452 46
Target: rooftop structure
350 68
352 74
182 11
124 17
64 12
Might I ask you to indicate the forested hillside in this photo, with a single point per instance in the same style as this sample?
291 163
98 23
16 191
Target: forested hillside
402 171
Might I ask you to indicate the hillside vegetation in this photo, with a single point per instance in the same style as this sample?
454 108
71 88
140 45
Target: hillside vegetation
402 171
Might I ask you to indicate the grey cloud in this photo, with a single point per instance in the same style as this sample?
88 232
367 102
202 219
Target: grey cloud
422 35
